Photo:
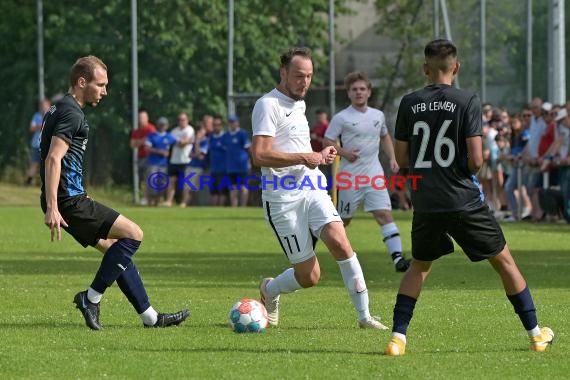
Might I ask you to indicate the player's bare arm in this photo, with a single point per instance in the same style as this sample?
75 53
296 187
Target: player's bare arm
264 155
402 153
388 148
349 155
474 153
53 219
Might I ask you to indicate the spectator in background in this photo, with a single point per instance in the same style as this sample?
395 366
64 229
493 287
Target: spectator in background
179 160
207 123
317 138
532 159
485 174
318 130
159 144
519 202
36 131
217 163
562 159
198 163
138 140
237 143
486 112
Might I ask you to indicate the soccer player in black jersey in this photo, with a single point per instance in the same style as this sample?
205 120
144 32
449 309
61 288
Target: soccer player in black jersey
66 205
438 137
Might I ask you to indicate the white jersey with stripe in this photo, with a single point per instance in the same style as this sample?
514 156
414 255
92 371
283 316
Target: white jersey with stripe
361 132
283 118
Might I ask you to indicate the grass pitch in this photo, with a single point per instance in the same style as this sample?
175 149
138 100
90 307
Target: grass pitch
206 259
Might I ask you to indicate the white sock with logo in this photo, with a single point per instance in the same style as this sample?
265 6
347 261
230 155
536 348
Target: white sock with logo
354 282
391 237
284 283
149 316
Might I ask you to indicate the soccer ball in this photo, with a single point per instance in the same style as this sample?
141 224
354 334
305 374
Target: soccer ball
248 315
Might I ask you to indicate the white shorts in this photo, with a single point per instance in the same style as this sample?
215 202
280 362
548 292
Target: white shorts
349 200
298 224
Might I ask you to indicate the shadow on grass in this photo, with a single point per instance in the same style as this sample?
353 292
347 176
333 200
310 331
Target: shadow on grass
230 269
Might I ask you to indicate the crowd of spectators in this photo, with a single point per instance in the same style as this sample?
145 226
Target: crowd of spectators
525 175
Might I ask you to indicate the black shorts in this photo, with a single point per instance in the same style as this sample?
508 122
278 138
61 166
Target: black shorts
174 169
220 185
476 231
87 220
236 179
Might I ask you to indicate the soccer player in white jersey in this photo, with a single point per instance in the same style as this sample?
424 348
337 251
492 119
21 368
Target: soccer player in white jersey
296 203
361 130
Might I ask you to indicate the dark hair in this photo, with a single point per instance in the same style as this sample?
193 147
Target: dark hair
354 77
287 57
85 67
440 49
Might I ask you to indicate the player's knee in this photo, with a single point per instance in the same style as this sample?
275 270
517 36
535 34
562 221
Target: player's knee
136 233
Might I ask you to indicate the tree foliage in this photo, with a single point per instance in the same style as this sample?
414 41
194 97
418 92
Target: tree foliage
182 56
410 23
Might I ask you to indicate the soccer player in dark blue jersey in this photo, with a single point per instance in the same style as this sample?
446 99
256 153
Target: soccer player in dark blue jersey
438 137
66 205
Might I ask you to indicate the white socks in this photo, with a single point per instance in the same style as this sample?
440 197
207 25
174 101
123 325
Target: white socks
534 332
398 335
354 281
284 283
94 296
391 237
149 316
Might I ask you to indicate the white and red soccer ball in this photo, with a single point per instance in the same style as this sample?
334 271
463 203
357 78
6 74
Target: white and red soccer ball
248 315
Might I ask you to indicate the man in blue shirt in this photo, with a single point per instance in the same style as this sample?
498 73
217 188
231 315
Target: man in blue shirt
218 163
237 143
159 144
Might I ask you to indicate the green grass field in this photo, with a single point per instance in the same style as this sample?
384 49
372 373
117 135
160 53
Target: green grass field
206 259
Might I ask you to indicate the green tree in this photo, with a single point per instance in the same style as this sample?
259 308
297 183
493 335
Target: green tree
182 54
410 23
